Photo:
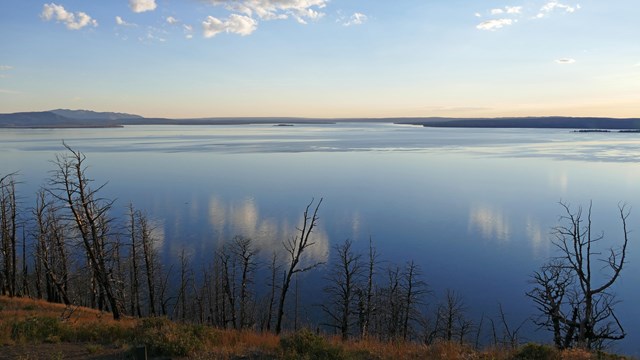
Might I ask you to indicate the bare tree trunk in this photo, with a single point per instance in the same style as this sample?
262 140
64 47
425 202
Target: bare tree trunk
368 308
135 284
587 318
274 269
89 214
243 249
341 295
8 216
295 247
149 254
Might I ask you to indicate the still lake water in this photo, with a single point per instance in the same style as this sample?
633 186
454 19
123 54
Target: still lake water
473 207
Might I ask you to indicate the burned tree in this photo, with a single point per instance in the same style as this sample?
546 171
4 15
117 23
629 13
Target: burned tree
574 298
295 247
344 277
414 289
52 269
89 214
135 265
450 320
245 253
8 241
365 294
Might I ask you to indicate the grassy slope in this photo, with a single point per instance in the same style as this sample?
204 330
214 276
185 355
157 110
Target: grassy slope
31 329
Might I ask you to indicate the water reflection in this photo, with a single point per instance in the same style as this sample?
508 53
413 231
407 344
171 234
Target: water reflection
243 217
559 180
490 222
538 238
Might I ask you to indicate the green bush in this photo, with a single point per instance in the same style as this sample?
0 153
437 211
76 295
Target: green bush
308 346
36 329
100 333
532 351
166 338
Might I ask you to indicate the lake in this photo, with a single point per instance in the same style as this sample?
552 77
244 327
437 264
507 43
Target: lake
473 207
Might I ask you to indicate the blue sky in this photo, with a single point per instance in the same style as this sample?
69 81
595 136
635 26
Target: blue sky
322 58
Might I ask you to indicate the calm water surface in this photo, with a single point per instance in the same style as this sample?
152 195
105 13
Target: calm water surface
473 207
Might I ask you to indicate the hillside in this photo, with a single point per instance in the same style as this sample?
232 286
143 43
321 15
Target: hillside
93 115
50 119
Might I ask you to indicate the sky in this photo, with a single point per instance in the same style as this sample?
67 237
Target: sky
322 58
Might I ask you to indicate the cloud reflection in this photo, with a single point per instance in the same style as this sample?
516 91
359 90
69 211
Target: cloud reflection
243 217
491 223
538 237
559 180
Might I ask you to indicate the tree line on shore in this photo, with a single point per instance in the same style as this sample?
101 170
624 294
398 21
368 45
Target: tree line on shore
67 248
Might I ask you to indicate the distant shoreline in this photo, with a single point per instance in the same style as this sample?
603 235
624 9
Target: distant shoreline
66 119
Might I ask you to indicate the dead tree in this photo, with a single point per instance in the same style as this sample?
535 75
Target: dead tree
450 315
552 294
295 247
228 268
274 268
343 277
89 213
186 278
510 334
150 258
365 294
414 289
51 252
391 305
245 253
8 228
135 266
574 298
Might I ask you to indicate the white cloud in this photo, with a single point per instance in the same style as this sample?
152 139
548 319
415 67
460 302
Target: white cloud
565 61
477 15
5 67
121 22
171 20
495 24
356 19
139 6
513 9
154 34
73 21
507 9
235 24
553 5
301 10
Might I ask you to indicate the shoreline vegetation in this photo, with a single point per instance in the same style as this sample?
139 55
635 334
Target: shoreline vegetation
62 118
37 329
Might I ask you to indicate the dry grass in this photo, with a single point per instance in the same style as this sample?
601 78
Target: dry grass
23 308
26 321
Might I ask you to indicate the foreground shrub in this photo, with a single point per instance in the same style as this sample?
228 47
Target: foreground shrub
532 351
36 329
306 345
164 337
